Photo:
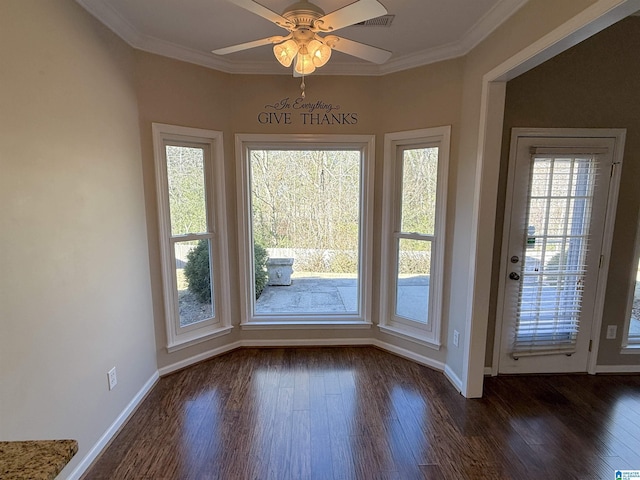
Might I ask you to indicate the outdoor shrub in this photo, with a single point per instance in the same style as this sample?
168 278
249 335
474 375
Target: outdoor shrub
260 258
344 262
313 261
197 273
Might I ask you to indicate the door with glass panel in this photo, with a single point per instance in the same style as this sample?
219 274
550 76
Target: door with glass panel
558 189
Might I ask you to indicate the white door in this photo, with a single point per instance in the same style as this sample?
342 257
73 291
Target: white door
559 189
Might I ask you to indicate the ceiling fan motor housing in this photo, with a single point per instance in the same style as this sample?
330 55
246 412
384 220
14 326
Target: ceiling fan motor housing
303 15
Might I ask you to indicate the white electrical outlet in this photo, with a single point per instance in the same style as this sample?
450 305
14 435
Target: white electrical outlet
456 338
612 332
113 379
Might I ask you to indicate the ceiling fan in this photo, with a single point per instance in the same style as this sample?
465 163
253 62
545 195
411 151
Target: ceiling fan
305 21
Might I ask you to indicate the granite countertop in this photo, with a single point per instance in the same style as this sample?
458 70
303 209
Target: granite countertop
35 459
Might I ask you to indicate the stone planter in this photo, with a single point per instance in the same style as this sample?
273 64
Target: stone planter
279 271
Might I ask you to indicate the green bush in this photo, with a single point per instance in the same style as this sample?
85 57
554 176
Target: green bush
260 258
196 272
344 262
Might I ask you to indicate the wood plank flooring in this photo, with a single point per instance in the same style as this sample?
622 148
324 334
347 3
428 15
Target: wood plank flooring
361 413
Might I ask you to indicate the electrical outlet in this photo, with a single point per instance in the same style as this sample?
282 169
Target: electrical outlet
456 338
612 332
113 379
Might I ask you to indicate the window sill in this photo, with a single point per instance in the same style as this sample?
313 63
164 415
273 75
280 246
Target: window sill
305 325
188 342
633 349
397 332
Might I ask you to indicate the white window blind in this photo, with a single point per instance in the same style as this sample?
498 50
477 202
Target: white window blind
556 244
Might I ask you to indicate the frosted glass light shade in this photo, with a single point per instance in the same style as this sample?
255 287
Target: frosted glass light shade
286 52
320 53
304 64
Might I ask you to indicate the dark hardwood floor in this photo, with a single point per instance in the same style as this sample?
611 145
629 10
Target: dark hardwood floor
361 413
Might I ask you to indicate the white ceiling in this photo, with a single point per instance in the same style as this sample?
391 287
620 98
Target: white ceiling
423 31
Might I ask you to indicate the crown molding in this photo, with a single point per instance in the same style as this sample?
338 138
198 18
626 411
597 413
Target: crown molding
476 34
112 20
488 23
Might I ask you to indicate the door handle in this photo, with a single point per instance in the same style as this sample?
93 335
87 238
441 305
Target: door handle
514 276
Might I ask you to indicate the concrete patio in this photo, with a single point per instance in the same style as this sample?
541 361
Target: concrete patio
311 293
315 294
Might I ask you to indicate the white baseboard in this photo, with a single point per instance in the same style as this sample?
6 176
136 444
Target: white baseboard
617 368
488 371
174 367
259 343
325 342
408 354
88 459
453 378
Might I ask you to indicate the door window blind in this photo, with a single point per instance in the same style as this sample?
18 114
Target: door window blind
556 243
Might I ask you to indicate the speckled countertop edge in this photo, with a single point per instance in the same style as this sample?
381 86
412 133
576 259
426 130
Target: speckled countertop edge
35 459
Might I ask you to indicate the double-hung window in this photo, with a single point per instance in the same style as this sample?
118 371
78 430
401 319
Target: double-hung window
190 192
415 179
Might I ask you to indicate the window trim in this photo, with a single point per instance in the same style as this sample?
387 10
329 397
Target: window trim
632 347
182 337
366 144
428 334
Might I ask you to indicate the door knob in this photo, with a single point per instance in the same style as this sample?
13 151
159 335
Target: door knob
514 276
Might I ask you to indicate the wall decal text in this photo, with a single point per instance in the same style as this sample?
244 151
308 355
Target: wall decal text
305 112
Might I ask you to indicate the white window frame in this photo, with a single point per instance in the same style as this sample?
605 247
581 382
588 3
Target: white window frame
633 345
212 143
428 334
366 145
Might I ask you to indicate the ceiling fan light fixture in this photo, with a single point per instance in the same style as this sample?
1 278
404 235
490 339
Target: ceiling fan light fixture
285 52
304 64
320 53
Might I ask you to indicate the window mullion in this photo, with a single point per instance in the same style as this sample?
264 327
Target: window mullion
415 236
191 236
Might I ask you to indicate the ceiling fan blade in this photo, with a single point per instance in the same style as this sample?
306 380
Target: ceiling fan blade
357 12
264 12
248 45
360 50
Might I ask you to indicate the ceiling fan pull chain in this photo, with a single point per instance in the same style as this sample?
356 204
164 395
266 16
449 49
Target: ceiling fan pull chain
302 85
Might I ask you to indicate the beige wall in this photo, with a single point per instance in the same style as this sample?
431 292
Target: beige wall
595 84
74 284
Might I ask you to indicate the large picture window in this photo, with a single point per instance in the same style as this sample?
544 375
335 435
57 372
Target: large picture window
191 212
415 179
305 206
